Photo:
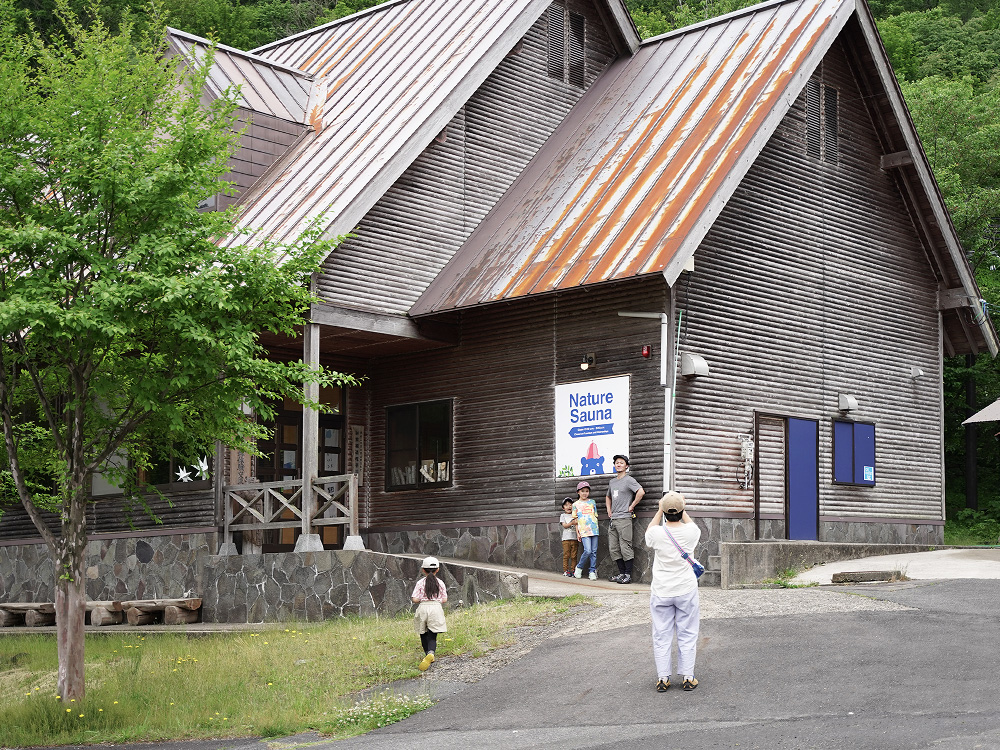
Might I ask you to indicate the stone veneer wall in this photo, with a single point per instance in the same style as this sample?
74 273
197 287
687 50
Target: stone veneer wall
146 567
322 585
247 588
540 545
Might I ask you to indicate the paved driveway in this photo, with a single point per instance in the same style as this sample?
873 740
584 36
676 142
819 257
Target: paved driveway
980 562
911 665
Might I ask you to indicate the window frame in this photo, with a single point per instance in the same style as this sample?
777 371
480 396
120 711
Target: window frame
389 485
854 481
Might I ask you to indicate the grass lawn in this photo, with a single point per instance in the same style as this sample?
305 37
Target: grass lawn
276 681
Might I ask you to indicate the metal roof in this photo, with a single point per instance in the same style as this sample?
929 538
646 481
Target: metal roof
264 85
631 183
394 76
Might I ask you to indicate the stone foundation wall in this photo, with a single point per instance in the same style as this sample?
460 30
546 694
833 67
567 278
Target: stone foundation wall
149 567
322 585
881 533
540 545
247 588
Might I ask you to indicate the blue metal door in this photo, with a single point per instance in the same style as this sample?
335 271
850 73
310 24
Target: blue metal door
803 478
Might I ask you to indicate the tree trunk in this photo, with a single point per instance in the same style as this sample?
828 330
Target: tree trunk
71 596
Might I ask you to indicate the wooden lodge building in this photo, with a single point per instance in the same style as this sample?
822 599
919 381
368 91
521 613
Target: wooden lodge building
517 174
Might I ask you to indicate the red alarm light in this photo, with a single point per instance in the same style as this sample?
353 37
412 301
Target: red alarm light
647 350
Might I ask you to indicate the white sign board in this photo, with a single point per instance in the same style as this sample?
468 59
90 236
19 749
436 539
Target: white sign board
592 421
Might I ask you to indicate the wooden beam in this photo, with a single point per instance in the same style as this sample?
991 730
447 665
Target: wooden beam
898 159
949 299
397 326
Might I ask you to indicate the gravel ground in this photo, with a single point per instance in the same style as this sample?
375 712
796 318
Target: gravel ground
612 611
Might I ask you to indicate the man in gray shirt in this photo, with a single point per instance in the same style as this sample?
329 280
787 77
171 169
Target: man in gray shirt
624 493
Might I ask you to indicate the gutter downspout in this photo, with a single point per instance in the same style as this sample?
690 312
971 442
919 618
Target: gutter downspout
668 363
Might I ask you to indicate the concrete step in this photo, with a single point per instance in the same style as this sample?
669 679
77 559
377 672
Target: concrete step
710 579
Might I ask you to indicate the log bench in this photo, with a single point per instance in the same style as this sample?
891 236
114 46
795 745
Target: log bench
170 611
137 612
30 614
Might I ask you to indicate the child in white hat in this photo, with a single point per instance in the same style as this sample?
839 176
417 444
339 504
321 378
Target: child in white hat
429 594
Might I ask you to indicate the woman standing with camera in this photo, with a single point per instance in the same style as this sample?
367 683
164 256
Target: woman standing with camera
673 600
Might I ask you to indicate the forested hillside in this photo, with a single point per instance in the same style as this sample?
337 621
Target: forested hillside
946 55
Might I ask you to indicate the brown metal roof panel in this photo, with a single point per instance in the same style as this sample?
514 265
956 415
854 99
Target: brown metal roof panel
628 183
388 90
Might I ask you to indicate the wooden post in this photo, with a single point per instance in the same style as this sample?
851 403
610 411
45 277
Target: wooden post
178 615
138 617
33 618
352 498
310 541
101 616
10 619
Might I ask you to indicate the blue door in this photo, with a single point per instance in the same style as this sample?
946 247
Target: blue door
803 479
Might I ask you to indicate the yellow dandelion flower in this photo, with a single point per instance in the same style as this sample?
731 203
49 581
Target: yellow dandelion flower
116 703
68 710
100 710
80 716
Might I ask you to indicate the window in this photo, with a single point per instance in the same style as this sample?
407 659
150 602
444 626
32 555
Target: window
282 449
854 453
166 471
567 59
418 445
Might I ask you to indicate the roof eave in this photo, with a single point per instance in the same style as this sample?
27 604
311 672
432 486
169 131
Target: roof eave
921 165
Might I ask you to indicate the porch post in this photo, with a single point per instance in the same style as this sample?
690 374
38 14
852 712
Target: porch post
308 541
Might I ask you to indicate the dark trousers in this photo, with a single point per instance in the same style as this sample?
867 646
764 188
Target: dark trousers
429 641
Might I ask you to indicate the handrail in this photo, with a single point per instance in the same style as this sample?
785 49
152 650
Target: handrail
265 505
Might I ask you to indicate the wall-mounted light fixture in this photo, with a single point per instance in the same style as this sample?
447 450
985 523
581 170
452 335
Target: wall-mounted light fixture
588 361
693 365
846 402
916 372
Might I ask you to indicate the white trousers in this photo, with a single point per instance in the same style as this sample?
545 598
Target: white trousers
680 614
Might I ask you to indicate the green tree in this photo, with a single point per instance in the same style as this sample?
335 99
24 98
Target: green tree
123 325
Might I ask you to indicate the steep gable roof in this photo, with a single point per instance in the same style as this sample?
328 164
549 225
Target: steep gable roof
391 78
633 180
265 86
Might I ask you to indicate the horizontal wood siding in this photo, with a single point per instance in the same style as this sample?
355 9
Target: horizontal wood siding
426 216
189 509
264 139
813 283
501 378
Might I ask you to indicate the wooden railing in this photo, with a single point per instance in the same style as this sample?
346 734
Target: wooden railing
278 505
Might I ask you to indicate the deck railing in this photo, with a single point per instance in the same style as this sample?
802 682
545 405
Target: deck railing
263 506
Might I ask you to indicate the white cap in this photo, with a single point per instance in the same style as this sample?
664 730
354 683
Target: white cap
430 563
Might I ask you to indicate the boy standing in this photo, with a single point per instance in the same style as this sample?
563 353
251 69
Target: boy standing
624 493
571 552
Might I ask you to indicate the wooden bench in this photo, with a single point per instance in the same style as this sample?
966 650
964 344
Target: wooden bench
170 611
30 614
137 612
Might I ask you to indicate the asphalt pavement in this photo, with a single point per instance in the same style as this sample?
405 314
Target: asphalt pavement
920 676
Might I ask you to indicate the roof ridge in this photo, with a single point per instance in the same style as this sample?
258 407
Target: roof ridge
243 53
316 29
716 20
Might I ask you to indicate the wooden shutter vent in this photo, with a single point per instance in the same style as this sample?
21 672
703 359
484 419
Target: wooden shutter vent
813 147
577 56
557 42
831 125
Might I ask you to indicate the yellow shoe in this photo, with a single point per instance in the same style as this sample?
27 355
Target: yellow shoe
425 662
